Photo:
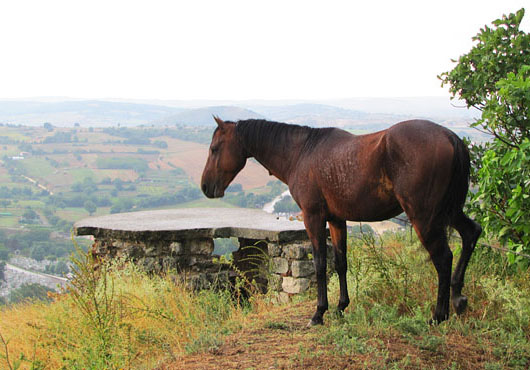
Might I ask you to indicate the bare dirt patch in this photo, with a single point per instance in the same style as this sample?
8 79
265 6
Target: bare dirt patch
279 339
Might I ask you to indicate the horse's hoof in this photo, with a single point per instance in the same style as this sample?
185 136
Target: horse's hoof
460 304
314 322
437 319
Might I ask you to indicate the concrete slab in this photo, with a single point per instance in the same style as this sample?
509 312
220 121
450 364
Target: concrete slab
191 223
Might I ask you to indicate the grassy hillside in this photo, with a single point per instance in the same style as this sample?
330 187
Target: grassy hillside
125 319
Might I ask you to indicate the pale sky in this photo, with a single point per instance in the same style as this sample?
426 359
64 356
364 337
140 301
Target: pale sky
236 49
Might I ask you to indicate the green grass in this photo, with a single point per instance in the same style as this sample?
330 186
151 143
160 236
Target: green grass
37 167
151 189
10 150
9 221
72 214
393 288
14 134
31 203
78 174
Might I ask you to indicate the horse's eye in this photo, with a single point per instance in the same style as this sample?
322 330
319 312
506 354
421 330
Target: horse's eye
214 149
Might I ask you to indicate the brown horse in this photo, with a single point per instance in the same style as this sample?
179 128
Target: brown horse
415 166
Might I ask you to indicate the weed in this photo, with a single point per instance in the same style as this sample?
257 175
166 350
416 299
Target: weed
276 325
208 341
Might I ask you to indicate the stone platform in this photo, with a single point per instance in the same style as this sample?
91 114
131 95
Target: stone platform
182 240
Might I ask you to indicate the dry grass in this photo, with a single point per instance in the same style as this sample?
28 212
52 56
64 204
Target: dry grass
131 321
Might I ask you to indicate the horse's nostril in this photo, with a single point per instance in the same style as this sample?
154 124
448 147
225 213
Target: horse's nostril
204 188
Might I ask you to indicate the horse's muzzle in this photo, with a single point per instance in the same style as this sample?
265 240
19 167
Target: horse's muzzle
212 191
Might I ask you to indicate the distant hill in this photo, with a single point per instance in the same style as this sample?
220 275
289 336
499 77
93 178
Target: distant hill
320 115
203 116
296 111
358 113
85 112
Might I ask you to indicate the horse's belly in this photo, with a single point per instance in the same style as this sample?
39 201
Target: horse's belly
369 208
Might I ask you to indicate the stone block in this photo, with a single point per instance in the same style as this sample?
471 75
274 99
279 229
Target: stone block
200 246
280 265
169 263
132 251
302 268
294 285
151 250
283 298
274 250
176 248
296 251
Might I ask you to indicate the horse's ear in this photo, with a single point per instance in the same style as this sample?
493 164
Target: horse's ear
220 123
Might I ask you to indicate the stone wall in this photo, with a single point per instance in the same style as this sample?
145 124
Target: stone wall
273 252
192 259
290 269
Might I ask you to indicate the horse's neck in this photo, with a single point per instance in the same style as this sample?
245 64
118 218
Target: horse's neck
280 160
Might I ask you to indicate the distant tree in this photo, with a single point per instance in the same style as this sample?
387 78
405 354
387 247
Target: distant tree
118 184
234 188
32 291
160 144
286 205
2 269
25 147
38 252
29 216
48 126
362 229
90 207
177 171
76 124
4 252
77 187
61 268
122 205
58 137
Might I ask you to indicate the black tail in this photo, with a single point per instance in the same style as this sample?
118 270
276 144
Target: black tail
456 193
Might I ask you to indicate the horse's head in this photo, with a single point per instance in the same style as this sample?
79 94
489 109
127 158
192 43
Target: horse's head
225 159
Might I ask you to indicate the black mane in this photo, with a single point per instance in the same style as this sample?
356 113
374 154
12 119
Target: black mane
261 136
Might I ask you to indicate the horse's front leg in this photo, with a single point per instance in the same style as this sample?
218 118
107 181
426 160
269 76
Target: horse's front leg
316 230
338 238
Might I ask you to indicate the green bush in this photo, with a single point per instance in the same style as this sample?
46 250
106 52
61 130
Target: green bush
494 77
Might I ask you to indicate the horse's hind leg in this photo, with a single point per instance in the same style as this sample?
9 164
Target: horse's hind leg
434 239
470 231
338 238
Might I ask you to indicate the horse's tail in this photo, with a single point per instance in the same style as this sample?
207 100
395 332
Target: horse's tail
456 193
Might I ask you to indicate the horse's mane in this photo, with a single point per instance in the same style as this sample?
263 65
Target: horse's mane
261 136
